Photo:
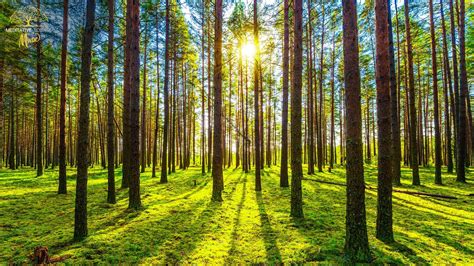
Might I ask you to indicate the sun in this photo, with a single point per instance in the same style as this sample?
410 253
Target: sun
248 50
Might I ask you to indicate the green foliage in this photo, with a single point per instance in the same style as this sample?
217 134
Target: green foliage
178 222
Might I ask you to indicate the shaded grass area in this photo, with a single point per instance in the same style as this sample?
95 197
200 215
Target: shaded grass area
179 224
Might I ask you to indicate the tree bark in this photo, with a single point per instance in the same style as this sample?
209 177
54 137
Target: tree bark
296 105
321 142
383 79
110 105
435 98
143 121
39 110
257 131
126 157
164 159
447 83
284 119
62 188
462 130
395 114
357 244
203 117
455 80
217 175
134 191
411 104
80 218
157 112
310 93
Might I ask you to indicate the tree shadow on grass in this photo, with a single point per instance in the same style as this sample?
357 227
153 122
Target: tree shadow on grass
407 252
432 211
191 234
269 235
236 226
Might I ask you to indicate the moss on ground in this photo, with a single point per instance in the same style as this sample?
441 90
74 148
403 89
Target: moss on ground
179 223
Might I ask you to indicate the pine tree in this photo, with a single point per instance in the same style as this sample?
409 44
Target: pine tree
357 243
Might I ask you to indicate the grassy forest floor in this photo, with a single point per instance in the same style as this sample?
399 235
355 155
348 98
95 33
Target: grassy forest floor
178 222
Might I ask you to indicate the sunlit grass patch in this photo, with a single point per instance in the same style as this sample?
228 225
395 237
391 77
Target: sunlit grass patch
179 224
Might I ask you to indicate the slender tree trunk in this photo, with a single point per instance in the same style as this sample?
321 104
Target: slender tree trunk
126 103
164 159
320 148
455 80
447 83
11 149
110 105
383 67
80 218
395 114
462 131
157 112
357 244
2 127
332 141
39 110
435 99
229 162
209 128
203 119
258 185
217 175
143 121
411 104
62 189
310 93
284 122
296 105
134 191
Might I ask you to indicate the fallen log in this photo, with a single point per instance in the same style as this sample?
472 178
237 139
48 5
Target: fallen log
395 190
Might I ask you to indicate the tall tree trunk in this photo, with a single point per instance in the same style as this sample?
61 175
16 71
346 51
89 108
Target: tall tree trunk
462 131
229 161
446 83
62 188
435 99
39 110
284 119
394 94
383 77
296 103
203 119
11 149
80 217
134 50
310 93
209 128
332 140
320 147
143 121
258 185
455 80
126 157
164 159
110 105
357 243
157 112
411 104
2 127
217 175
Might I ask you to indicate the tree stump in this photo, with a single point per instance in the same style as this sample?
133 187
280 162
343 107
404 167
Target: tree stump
41 256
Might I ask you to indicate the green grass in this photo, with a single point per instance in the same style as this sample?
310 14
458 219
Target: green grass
178 222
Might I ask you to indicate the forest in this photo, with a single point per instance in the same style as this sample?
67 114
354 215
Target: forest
236 132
